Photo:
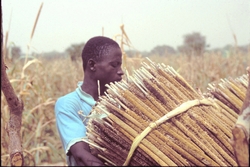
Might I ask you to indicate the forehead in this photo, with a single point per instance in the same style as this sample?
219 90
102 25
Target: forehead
113 53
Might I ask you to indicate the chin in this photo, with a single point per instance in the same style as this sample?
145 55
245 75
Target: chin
116 80
119 79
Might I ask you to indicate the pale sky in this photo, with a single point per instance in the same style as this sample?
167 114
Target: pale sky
148 23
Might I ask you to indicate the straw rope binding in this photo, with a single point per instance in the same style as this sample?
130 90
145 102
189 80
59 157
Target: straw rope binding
184 107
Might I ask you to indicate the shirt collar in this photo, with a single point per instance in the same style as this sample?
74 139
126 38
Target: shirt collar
83 95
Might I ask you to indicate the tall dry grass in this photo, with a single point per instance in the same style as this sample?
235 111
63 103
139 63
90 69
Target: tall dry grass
39 83
44 81
209 68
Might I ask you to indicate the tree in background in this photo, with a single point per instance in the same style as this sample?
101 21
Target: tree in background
162 50
133 53
75 51
193 44
13 53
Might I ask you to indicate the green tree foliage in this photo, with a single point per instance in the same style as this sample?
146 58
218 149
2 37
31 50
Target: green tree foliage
75 51
193 44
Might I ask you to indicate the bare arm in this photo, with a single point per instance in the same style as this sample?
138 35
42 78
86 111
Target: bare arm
82 155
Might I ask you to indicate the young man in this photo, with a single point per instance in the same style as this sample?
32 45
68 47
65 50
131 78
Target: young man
102 59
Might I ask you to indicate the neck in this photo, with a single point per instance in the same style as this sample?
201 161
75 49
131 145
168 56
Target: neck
91 87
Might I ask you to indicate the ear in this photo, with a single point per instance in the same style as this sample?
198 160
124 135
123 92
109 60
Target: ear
91 64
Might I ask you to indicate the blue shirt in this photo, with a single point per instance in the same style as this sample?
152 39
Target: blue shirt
70 123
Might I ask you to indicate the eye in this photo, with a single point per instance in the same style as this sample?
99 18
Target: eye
115 64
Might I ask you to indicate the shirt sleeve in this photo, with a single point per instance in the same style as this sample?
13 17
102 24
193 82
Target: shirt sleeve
69 124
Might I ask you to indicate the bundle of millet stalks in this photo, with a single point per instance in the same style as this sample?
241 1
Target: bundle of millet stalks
229 93
155 118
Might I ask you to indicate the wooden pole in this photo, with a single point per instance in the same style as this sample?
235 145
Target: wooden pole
15 105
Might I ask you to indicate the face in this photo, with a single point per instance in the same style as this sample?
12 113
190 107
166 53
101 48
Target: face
108 69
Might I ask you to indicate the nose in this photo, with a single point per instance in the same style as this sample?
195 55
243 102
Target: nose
120 72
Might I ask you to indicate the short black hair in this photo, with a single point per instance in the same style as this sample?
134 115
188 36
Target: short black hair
95 48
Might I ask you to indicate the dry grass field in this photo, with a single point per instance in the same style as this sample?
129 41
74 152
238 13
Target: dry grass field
40 83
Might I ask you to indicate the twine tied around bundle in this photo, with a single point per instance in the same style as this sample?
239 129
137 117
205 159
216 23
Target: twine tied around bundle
180 109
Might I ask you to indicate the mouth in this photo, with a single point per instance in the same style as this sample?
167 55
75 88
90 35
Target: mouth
119 79
115 80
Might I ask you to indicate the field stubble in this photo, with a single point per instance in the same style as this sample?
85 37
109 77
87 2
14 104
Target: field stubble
42 82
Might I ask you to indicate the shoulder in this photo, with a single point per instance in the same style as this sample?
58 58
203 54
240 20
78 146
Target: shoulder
70 100
72 96
71 103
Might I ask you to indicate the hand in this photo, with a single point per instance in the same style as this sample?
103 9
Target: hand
94 163
82 155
